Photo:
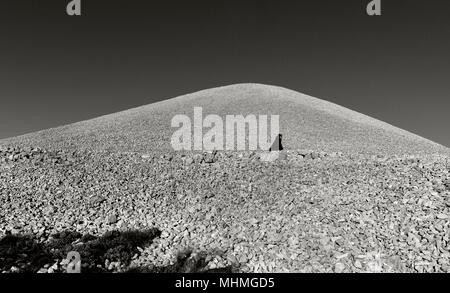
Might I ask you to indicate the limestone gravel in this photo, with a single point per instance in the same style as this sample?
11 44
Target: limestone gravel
310 212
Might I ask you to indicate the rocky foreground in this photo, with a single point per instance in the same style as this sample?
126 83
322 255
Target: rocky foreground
305 212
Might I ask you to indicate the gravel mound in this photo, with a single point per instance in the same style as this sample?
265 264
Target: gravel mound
305 122
307 211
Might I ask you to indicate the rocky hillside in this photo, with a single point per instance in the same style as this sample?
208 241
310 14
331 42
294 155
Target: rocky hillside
348 194
305 212
305 122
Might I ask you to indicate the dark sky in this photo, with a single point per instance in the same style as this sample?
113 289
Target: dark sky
56 69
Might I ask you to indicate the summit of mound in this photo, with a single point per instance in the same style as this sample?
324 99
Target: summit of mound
306 123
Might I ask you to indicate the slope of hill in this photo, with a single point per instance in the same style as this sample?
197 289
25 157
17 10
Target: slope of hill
311 210
305 122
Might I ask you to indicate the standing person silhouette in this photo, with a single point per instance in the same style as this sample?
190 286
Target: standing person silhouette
277 145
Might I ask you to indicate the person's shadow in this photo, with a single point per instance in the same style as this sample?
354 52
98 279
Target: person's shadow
277 144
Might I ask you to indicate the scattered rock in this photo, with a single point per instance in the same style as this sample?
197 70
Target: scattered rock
112 219
97 200
267 214
283 156
339 267
447 184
